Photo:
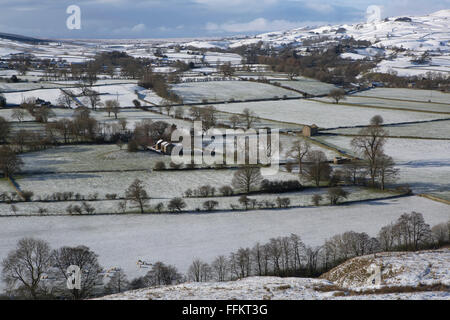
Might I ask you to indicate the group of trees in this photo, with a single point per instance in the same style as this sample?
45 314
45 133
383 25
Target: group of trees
369 144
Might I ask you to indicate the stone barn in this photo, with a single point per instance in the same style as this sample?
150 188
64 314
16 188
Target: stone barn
309 131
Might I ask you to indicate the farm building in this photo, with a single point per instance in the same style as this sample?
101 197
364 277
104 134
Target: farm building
309 131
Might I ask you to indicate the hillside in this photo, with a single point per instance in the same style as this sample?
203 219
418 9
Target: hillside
405 275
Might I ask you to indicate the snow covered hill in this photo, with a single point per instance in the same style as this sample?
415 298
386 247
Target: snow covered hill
404 275
430 32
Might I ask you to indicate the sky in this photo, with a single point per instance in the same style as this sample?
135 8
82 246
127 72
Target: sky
120 19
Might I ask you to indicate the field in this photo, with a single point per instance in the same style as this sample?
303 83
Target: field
298 199
226 90
424 164
310 86
313 112
178 239
394 104
159 184
434 130
408 94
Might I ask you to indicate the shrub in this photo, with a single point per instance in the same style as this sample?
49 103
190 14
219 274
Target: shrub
27 195
316 199
226 191
112 196
175 166
210 205
188 193
160 165
283 202
159 207
280 186
176 205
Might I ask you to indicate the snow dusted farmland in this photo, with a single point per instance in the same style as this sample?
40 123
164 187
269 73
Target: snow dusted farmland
310 86
408 94
226 90
323 114
298 199
395 104
434 129
44 94
159 184
424 164
178 239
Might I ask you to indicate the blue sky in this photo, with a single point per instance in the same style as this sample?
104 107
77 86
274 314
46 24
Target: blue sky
190 18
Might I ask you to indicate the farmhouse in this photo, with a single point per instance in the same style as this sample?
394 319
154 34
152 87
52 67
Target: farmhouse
164 146
309 131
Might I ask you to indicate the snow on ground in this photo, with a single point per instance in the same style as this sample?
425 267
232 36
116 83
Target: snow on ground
424 164
255 288
385 103
433 129
269 288
159 184
324 115
310 86
407 94
397 269
178 239
50 95
5 186
226 90
300 199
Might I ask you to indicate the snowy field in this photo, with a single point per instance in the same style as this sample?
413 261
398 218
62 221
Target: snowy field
395 104
159 184
51 95
434 129
322 114
424 164
5 186
298 199
408 94
262 288
27 86
310 86
226 90
88 158
178 239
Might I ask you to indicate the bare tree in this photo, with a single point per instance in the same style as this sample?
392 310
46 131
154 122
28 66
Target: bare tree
220 268
299 150
19 114
162 274
386 169
199 271
369 144
5 128
337 95
249 118
66 98
82 257
118 282
247 178
10 163
235 120
24 267
318 168
336 194
137 194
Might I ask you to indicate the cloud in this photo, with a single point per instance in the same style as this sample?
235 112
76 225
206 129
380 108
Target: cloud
137 29
237 5
256 25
